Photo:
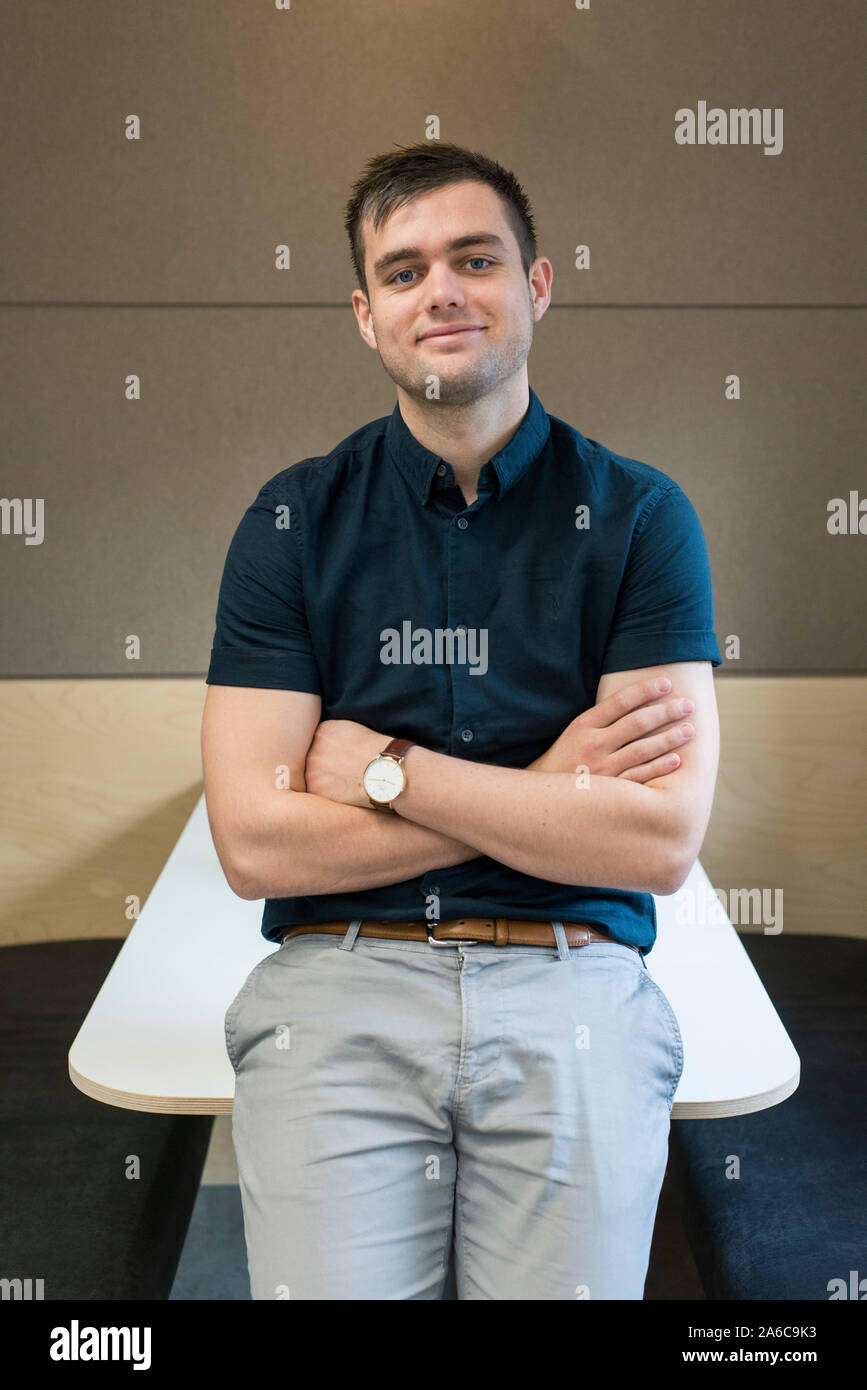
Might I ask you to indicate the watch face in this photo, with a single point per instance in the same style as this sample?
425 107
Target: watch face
383 779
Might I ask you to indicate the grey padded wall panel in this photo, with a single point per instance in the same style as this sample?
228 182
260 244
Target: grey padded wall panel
141 498
255 121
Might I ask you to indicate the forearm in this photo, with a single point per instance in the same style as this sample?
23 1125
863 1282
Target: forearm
307 845
613 833
324 846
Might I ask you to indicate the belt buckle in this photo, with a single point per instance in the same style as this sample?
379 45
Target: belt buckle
459 941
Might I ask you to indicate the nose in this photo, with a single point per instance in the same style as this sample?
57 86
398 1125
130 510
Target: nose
443 289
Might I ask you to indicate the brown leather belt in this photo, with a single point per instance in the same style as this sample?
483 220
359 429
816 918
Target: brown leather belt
499 931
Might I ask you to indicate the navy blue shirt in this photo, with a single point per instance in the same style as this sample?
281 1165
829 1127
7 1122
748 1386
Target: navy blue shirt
351 575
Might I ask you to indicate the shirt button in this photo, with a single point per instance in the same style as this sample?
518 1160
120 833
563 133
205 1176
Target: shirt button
461 627
441 471
463 523
467 735
435 890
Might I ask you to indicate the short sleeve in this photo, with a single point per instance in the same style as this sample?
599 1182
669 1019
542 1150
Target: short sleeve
262 635
664 609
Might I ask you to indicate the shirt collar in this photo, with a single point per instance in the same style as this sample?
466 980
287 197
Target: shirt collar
419 465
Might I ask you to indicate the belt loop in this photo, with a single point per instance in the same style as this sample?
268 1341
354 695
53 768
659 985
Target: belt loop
562 948
349 939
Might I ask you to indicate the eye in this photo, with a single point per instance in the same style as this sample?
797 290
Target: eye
406 271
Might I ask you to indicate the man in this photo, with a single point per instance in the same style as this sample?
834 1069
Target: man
458 1040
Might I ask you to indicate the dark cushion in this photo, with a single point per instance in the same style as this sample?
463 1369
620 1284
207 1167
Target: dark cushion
797 1216
69 1214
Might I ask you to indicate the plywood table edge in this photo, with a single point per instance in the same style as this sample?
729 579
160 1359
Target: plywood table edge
222 1105
155 1105
742 1105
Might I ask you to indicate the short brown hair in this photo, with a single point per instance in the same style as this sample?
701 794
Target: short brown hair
390 180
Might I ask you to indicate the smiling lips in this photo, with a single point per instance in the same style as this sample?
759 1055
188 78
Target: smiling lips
448 334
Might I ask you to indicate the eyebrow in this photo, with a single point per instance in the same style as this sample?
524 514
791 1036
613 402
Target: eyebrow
410 253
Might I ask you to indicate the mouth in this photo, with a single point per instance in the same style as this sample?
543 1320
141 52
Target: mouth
457 335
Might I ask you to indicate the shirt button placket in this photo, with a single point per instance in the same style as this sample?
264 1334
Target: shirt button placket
466 734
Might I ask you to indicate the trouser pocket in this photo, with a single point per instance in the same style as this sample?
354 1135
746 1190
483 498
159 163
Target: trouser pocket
672 1028
232 1015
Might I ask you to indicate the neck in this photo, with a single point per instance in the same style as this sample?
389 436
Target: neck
467 436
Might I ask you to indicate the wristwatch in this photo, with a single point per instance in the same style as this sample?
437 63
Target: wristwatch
385 777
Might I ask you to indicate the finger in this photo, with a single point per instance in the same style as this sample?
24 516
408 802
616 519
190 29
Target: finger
659 767
622 702
648 719
643 750
639 723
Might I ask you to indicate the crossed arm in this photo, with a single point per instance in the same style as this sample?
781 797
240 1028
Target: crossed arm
609 832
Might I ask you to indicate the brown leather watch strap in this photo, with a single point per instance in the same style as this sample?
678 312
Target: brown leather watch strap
397 748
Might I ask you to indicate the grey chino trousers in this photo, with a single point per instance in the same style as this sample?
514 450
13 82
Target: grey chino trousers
394 1098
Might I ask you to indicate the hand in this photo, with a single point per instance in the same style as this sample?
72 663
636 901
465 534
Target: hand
337 757
628 734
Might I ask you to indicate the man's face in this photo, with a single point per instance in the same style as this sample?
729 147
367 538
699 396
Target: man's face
418 281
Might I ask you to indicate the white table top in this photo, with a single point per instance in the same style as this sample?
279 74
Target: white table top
153 1038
